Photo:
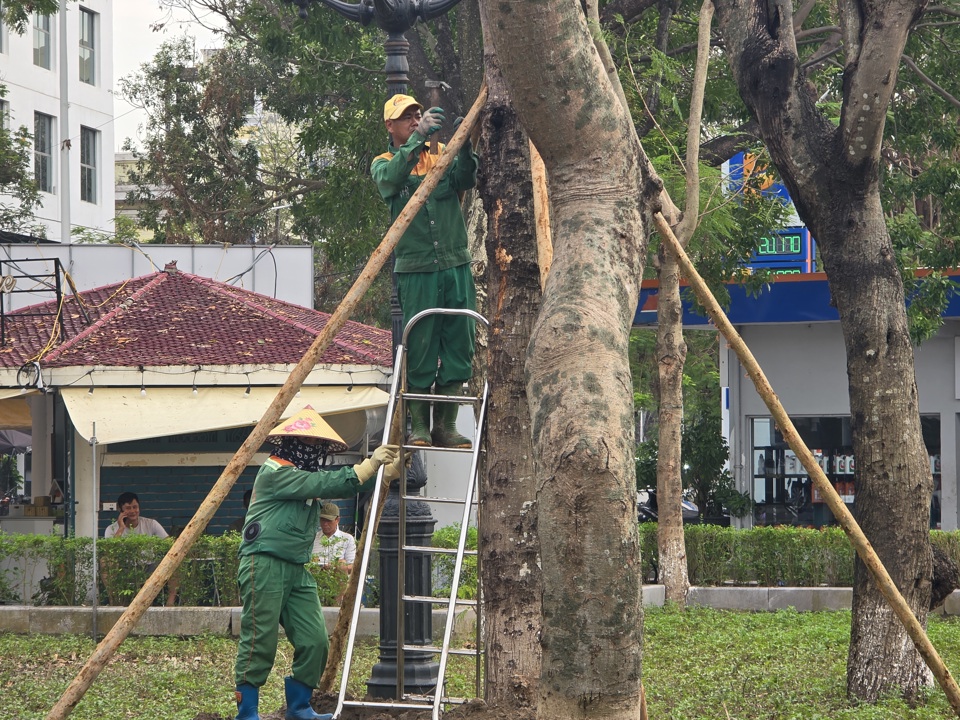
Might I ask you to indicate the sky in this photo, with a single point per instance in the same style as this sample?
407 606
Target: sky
134 43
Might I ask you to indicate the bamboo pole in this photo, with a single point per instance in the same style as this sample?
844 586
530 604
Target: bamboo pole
171 561
372 521
859 541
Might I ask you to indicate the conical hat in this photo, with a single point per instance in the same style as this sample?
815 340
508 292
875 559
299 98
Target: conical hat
308 423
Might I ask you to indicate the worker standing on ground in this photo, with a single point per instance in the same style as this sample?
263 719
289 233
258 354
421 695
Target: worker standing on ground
432 266
278 533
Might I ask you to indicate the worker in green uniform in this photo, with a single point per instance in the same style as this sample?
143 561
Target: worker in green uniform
278 533
432 265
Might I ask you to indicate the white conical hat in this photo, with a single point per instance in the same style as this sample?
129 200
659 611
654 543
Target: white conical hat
308 423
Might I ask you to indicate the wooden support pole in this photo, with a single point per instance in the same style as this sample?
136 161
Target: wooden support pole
111 641
859 541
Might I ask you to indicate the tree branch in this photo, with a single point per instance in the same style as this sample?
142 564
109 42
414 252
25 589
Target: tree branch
908 61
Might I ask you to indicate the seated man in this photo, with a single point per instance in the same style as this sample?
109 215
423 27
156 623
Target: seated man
333 547
130 522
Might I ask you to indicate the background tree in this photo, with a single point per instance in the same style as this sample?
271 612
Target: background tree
833 173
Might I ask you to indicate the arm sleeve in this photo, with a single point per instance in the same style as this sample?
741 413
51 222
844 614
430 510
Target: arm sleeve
349 550
156 529
285 482
390 175
463 170
110 531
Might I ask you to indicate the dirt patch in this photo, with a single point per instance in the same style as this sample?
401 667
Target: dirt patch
473 710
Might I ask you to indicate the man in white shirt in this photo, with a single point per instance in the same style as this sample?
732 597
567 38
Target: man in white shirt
130 522
332 546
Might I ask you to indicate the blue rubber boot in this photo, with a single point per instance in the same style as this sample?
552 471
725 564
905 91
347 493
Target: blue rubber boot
248 702
298 701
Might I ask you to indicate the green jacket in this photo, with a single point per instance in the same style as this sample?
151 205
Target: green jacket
284 511
437 237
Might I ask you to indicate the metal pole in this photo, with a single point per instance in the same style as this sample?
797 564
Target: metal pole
96 518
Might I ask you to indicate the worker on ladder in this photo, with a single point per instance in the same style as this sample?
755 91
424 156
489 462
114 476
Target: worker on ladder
432 266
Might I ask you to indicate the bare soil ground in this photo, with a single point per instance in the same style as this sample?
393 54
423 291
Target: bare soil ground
473 710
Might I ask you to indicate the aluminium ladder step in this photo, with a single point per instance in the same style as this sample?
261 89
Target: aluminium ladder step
433 600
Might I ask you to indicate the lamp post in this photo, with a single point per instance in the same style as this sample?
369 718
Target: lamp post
420 672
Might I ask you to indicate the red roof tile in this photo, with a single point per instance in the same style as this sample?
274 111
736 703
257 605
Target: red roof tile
175 318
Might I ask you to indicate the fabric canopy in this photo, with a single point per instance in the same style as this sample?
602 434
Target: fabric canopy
15 412
123 414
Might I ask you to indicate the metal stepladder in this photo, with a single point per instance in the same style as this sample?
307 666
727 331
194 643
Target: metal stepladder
399 397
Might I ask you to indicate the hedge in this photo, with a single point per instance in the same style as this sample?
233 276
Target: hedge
788 556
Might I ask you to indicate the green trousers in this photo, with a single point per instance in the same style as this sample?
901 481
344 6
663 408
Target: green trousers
274 593
449 339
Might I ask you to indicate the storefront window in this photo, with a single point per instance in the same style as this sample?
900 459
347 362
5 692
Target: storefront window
783 492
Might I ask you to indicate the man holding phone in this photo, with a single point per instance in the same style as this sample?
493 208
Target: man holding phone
130 520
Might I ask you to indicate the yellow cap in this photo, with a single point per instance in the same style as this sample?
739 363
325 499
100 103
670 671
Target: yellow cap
308 423
395 106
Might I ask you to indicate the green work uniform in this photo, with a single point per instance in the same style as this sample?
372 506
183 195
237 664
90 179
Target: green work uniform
275 587
433 262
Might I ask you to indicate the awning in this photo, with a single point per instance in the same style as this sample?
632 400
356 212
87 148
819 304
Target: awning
123 414
15 410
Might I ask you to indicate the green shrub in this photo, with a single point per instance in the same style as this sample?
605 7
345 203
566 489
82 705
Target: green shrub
331 583
796 557
443 565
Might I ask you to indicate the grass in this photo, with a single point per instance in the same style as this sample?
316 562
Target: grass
698 665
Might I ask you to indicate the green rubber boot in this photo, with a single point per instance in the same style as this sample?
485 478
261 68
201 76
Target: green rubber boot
444 431
419 419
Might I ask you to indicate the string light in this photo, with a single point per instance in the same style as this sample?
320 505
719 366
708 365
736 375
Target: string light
143 387
195 380
246 393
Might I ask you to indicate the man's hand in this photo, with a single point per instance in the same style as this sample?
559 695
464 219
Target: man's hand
430 122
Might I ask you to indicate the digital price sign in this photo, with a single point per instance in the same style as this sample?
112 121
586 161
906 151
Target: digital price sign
788 248
786 243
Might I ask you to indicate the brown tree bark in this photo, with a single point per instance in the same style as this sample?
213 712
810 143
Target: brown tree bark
578 376
509 546
672 351
832 173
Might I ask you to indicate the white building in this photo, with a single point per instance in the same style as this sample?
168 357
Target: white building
58 76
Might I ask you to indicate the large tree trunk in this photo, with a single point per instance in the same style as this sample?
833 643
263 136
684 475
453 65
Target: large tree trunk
509 545
671 355
832 174
578 376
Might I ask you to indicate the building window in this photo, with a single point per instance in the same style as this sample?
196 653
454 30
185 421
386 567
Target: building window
43 151
3 32
89 150
88 47
42 41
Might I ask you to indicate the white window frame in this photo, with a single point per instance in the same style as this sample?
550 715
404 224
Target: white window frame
43 156
89 42
42 30
89 164
3 33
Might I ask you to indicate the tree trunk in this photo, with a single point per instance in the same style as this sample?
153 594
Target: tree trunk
578 376
509 545
671 355
832 173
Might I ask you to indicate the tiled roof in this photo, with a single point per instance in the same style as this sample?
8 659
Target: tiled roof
175 318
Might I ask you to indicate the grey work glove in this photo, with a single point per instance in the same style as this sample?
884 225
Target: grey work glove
392 471
430 122
381 456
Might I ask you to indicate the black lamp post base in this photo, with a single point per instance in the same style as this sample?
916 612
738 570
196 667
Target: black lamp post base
419 677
